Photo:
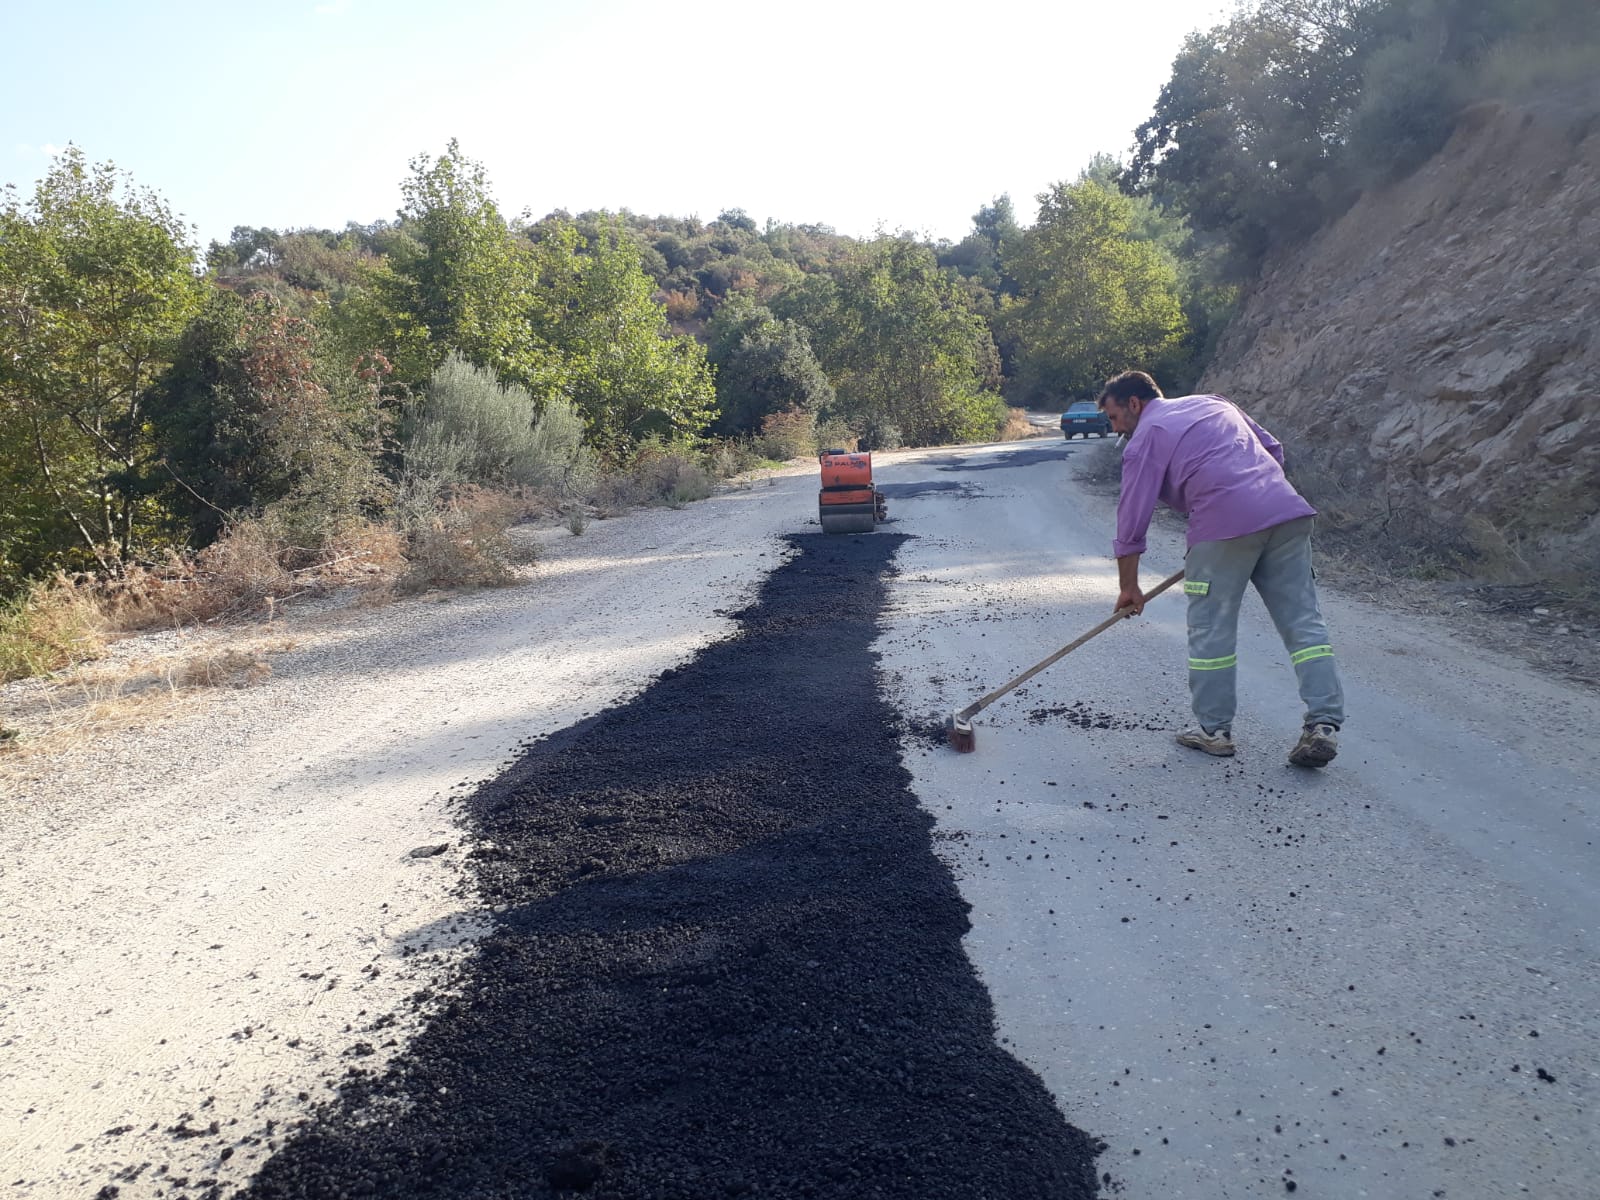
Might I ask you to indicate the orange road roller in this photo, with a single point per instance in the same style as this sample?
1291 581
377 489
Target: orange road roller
848 502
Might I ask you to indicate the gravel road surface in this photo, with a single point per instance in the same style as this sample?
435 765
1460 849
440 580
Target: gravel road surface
657 942
1379 980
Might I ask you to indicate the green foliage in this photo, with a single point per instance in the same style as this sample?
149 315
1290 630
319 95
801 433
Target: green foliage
1271 122
96 285
994 226
470 428
603 343
558 458
462 279
700 265
1243 134
910 359
200 411
763 366
252 417
145 407
1094 299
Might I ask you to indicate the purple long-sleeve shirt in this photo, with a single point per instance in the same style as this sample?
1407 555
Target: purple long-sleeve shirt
1202 456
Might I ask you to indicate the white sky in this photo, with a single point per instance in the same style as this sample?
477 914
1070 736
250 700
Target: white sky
845 114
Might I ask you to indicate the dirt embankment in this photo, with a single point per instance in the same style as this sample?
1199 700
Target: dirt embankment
1430 358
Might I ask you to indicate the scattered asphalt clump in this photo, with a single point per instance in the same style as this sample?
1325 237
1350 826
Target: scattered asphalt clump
727 960
1084 717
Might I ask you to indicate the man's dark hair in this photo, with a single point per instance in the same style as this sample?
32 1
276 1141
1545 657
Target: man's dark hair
1128 385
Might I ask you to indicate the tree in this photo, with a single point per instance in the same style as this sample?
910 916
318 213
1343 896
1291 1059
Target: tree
97 282
462 276
602 342
1246 133
1271 122
980 254
1093 299
763 365
909 358
256 414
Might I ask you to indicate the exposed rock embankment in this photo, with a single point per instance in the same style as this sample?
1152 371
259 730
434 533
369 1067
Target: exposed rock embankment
1430 359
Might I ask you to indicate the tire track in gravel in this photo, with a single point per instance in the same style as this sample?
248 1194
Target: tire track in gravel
726 961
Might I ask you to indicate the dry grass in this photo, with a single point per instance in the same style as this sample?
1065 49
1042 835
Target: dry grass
66 621
91 699
226 668
1017 426
1522 67
658 476
463 542
52 625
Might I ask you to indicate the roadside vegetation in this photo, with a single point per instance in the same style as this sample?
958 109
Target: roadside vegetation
188 435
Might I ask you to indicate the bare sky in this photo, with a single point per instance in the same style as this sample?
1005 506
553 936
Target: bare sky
855 115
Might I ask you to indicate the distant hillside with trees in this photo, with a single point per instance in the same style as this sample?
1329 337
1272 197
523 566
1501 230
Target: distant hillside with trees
313 382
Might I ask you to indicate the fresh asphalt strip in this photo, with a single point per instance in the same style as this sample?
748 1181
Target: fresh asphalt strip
726 961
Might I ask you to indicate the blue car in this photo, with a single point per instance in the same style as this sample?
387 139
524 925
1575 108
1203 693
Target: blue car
1085 417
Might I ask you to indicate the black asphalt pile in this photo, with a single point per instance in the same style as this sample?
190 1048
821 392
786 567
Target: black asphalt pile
729 963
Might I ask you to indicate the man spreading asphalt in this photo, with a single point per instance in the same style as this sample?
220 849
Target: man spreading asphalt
1202 456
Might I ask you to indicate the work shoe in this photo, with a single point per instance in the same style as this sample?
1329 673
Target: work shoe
1219 741
1317 746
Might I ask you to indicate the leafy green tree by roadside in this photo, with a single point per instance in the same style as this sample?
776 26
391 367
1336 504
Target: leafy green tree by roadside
602 342
1272 122
980 255
97 282
1092 299
256 417
763 366
910 360
462 278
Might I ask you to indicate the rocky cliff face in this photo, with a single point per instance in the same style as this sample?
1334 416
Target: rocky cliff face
1432 359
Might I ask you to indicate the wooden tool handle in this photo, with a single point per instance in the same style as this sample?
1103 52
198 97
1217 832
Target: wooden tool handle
973 709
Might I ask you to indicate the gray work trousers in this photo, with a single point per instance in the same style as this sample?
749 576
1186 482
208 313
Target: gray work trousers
1278 562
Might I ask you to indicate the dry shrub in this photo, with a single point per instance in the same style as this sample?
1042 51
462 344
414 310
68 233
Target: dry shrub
681 306
789 434
245 566
834 434
462 541
615 493
669 476
1527 65
225 668
659 474
251 567
53 624
1017 426
238 572
725 459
